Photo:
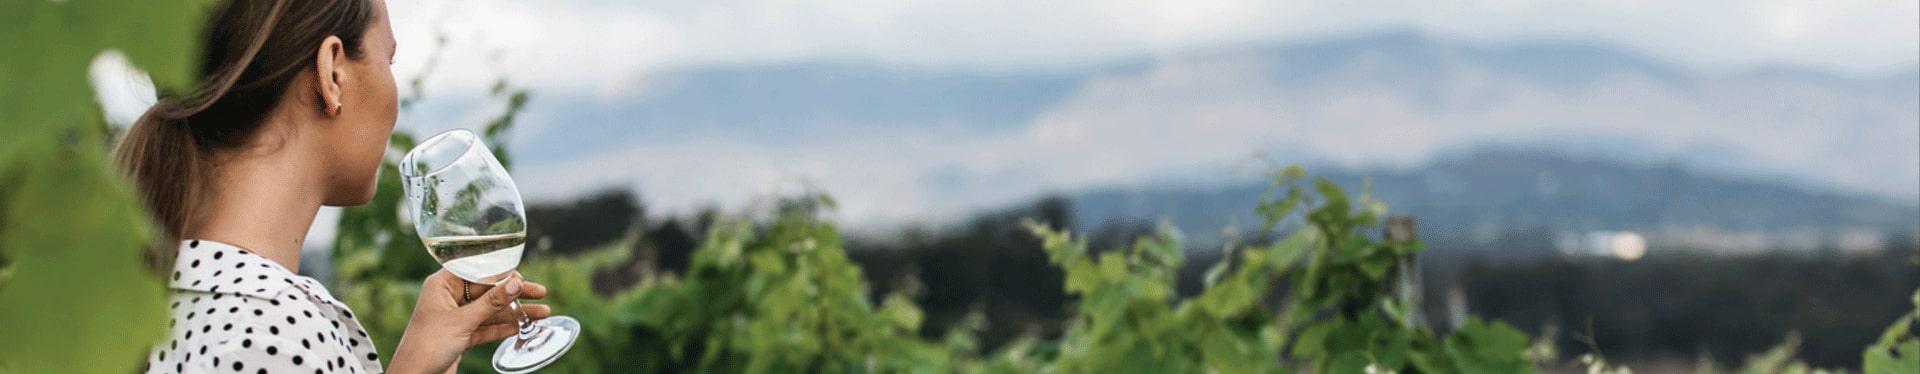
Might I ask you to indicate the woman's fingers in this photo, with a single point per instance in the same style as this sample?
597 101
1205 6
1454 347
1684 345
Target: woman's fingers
491 311
492 333
533 291
528 290
493 301
511 316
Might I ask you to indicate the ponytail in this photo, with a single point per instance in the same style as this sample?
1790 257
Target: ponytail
161 156
253 50
167 152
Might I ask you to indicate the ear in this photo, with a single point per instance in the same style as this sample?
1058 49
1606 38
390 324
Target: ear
329 72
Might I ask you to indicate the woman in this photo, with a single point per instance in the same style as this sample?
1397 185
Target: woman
297 102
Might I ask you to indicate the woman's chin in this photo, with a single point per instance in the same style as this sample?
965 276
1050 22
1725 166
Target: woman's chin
352 200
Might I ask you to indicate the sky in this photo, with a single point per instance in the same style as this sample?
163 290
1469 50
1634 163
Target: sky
544 43
608 49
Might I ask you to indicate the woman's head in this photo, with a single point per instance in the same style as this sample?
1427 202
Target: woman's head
274 73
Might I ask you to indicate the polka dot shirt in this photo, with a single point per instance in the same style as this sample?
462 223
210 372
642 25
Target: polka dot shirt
237 312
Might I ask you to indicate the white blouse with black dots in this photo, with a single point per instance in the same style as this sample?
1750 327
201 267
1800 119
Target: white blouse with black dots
237 312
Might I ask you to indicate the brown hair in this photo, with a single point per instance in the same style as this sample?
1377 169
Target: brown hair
253 51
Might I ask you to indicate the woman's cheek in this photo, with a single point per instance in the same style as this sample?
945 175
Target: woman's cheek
391 99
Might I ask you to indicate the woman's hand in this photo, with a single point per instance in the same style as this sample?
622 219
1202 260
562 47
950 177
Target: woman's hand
444 325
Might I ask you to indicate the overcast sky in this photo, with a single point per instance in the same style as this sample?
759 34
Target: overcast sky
606 46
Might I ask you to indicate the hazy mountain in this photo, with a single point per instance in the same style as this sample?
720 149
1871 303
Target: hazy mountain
1484 196
932 141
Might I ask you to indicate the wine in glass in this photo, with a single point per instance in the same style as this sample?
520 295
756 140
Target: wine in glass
468 212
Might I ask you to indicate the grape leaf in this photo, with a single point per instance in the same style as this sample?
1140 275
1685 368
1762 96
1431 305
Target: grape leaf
76 296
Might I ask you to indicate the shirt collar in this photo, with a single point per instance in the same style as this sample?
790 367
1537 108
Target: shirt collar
220 268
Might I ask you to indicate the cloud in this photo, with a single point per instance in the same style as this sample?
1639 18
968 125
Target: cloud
1213 114
612 50
607 46
891 176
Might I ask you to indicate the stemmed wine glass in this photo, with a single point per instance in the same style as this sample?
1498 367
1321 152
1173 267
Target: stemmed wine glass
468 212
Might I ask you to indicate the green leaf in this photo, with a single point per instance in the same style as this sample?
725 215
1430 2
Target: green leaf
1312 340
1336 199
77 284
1349 362
1906 359
51 44
1482 347
1274 211
71 232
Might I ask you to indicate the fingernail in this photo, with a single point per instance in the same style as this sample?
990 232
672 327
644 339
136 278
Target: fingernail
513 286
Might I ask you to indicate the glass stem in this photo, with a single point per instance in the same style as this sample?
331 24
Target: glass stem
526 322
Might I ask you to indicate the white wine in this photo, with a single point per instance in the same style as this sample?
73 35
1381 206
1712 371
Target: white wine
480 258
455 190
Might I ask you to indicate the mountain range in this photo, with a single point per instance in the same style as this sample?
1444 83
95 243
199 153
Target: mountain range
1493 196
917 143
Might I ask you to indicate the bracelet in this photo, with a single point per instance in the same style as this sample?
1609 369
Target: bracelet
464 293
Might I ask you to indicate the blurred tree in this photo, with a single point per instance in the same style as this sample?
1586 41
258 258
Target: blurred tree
1722 308
590 221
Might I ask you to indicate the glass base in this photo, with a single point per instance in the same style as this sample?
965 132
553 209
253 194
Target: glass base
551 337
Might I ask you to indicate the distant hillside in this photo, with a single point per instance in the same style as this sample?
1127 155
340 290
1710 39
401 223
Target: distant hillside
1480 198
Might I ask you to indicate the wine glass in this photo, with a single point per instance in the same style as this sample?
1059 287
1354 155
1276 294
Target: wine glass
468 212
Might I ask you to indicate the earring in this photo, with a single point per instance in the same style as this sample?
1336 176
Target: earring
337 106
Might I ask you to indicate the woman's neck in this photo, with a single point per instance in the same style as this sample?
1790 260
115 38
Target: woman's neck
262 199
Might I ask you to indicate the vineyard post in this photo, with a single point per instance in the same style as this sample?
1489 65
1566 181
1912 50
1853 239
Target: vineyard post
1407 282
